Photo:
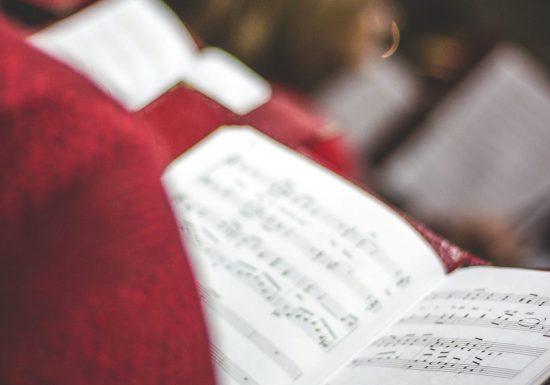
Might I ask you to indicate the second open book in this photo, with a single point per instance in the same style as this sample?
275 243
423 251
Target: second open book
307 279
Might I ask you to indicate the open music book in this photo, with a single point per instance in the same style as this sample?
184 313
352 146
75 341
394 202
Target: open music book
306 279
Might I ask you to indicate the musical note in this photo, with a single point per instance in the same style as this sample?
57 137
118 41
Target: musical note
317 328
482 295
215 230
233 230
438 366
474 356
266 286
231 368
457 343
270 215
282 188
286 190
300 280
263 343
345 274
190 231
506 321
314 274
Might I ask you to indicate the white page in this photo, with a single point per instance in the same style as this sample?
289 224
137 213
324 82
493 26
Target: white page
485 149
481 326
298 268
134 49
370 99
228 81
137 49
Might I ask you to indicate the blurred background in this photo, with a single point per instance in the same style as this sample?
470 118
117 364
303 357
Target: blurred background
461 132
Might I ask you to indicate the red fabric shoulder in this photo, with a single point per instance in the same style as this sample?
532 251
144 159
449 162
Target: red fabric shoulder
94 285
183 116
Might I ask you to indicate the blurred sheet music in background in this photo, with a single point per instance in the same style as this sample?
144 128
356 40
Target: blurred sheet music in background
370 100
483 152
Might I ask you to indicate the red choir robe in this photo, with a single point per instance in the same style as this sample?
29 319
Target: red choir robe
95 285
183 116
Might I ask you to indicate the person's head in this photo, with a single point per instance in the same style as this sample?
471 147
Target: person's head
299 42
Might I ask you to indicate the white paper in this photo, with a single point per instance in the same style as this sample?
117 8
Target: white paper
298 268
137 49
485 149
474 329
368 100
134 49
228 81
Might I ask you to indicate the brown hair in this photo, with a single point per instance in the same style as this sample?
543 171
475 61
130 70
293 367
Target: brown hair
299 42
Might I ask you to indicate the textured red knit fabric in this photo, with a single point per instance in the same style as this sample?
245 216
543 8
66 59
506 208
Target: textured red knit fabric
452 256
94 284
183 116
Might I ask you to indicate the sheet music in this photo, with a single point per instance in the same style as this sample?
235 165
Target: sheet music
228 81
134 49
298 269
370 99
493 334
137 49
484 150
